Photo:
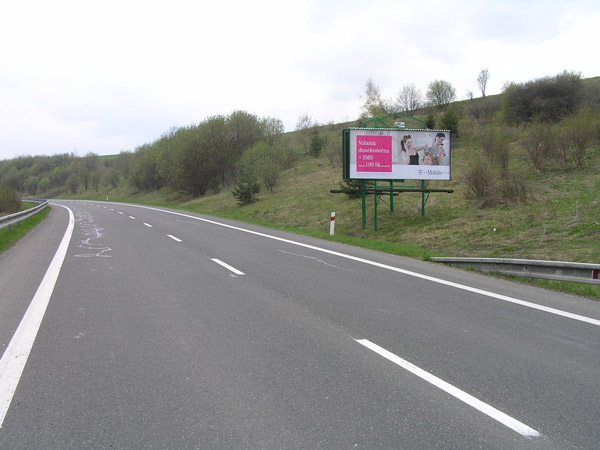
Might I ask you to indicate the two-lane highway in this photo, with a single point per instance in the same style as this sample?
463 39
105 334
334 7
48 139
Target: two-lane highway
175 330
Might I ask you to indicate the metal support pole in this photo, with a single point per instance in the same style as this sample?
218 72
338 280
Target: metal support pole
391 196
364 204
423 186
376 202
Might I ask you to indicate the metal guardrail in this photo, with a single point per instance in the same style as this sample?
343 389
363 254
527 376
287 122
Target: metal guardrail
532 268
7 221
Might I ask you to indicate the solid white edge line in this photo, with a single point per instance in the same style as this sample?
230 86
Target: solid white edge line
461 395
16 354
174 238
227 266
463 287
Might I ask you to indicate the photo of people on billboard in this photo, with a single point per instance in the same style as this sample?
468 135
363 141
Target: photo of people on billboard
391 154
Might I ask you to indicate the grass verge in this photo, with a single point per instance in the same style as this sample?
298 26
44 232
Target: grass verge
9 237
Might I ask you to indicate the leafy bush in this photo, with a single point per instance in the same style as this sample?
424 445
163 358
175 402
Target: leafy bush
449 121
316 145
9 201
262 162
214 185
545 99
245 192
353 186
430 121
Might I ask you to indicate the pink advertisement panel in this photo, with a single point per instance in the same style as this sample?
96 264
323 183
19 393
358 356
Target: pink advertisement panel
397 154
373 153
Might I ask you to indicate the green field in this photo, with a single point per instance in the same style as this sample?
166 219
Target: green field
10 236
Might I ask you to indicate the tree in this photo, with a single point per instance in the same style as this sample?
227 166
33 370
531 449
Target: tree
31 185
246 191
73 183
96 177
86 176
272 128
192 165
374 105
264 162
112 177
449 121
440 93
409 98
303 127
430 121
59 176
145 172
243 130
216 135
316 144
482 80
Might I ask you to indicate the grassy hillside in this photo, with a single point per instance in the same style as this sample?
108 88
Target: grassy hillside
525 175
560 219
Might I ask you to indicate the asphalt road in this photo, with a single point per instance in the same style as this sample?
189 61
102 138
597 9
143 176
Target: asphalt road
172 330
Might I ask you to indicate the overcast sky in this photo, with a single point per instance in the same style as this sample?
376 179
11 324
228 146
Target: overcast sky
105 77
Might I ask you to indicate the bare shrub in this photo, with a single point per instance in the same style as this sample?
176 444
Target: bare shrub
539 143
10 202
495 143
514 188
479 178
334 154
579 132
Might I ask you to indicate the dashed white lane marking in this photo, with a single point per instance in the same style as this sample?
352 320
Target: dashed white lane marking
132 218
120 212
15 357
176 239
505 298
461 395
148 225
227 266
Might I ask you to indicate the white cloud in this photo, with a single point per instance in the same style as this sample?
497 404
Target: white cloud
110 76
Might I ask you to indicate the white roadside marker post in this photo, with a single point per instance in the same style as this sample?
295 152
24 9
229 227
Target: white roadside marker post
332 225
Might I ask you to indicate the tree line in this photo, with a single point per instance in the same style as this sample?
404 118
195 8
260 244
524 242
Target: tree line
553 120
219 151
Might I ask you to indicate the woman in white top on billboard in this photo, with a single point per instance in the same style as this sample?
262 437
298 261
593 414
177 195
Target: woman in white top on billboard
412 152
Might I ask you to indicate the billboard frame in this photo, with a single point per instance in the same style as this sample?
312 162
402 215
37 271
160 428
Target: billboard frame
377 152
391 191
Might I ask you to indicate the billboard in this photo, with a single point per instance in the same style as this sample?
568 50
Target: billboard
392 154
